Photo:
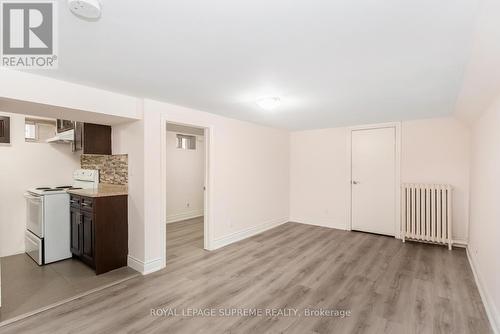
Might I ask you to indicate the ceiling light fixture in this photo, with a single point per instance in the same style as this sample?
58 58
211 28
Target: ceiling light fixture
269 103
87 9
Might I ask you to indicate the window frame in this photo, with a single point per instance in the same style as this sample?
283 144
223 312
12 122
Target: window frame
37 122
186 142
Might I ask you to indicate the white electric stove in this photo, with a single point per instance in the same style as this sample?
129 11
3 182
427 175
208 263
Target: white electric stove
47 235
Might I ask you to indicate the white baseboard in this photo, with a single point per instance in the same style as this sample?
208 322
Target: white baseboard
145 267
246 233
312 222
491 310
184 216
460 243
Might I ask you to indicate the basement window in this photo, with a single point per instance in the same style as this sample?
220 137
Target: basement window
186 142
39 130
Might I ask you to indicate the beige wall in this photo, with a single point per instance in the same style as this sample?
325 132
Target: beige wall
26 165
26 93
185 179
129 139
485 208
318 177
479 102
433 150
438 151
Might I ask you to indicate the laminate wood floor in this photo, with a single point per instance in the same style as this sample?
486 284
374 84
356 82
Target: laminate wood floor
387 286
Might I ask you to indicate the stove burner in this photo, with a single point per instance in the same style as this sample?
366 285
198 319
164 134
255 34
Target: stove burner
42 188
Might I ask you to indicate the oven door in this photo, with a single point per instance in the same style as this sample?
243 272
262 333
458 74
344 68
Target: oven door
34 247
34 214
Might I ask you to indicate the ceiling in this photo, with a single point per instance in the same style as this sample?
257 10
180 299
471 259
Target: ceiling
332 63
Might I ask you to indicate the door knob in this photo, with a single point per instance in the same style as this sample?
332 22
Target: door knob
355 182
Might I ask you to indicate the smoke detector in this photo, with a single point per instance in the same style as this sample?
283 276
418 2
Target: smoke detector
87 9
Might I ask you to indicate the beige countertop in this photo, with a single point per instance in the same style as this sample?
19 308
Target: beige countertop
103 190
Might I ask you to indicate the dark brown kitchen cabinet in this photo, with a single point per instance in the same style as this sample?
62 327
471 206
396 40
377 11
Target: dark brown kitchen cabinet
99 231
92 138
4 129
96 139
88 238
76 231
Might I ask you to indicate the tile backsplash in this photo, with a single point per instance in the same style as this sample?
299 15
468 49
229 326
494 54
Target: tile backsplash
113 169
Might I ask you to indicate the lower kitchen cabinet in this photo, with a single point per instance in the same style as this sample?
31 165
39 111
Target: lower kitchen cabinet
76 231
99 231
88 232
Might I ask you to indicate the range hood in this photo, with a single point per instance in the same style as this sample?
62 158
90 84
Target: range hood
63 137
73 136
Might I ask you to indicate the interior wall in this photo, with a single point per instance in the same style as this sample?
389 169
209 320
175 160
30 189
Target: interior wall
26 165
318 177
485 209
128 139
433 150
439 151
46 97
479 102
249 176
185 179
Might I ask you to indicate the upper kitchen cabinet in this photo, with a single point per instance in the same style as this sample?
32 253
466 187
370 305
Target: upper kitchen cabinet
96 139
4 129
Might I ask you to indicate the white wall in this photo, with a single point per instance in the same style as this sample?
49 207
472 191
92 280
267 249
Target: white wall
185 179
26 165
438 151
128 139
318 177
479 102
249 174
433 150
42 96
485 209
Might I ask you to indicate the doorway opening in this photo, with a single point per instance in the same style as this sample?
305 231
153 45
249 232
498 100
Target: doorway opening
186 154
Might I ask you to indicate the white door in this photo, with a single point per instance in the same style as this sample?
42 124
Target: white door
373 180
